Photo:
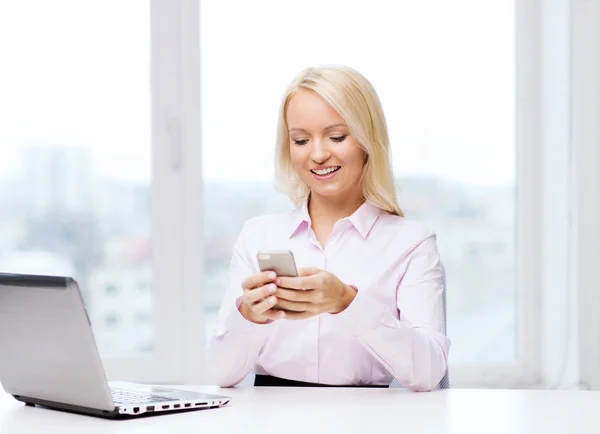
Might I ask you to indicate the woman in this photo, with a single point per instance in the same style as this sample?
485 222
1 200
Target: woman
370 308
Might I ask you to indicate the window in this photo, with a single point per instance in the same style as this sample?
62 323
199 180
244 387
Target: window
143 318
111 320
451 107
449 98
76 146
143 286
99 175
81 181
110 288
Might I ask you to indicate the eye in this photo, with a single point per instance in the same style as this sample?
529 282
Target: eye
339 138
300 141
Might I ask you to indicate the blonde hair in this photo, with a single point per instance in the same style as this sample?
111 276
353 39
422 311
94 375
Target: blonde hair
355 99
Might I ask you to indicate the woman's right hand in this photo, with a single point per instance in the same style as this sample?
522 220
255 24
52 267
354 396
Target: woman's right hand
258 298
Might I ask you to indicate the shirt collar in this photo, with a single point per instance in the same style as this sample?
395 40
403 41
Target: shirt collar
362 219
300 217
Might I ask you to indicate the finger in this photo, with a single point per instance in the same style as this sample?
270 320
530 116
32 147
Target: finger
294 295
299 315
294 306
258 279
308 282
308 271
264 305
264 308
251 296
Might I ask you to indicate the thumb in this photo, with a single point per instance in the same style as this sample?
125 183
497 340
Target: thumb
309 271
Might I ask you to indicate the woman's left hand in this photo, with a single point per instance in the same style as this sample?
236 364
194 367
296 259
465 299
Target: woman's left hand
313 292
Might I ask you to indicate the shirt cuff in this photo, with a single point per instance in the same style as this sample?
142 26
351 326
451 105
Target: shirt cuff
364 313
236 323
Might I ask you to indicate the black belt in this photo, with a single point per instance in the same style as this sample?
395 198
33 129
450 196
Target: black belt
270 381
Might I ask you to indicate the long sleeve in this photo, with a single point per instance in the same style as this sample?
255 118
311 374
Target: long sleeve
414 349
235 342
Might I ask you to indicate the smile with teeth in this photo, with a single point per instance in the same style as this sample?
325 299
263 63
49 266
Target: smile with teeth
327 171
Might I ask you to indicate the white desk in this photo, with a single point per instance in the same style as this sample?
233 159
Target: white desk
365 411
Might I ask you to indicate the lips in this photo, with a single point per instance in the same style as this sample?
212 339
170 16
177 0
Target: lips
327 171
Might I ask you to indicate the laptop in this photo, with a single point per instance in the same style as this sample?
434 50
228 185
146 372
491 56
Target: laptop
49 358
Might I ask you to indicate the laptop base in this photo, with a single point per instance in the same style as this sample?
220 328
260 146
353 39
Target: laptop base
114 414
32 402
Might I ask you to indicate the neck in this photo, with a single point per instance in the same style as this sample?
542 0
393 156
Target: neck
325 209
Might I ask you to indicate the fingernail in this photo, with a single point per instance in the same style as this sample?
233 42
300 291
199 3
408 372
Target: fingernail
272 289
281 314
271 275
272 300
277 281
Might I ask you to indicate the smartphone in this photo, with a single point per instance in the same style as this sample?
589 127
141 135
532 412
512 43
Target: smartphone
280 261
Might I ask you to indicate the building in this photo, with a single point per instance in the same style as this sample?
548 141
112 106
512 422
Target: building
56 180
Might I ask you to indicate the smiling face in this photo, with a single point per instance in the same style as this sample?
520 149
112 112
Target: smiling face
323 152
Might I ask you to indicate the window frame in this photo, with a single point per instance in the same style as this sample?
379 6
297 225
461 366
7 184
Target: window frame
545 259
177 198
585 137
176 137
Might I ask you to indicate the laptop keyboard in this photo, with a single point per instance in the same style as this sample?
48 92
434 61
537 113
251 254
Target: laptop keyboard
126 397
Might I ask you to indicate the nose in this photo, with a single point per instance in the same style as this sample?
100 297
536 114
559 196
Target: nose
319 152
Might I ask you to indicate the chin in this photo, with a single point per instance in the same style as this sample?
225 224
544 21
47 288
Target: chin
327 192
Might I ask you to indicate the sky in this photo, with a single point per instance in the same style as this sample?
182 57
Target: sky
77 73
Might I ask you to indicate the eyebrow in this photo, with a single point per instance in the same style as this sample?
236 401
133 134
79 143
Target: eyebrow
324 129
